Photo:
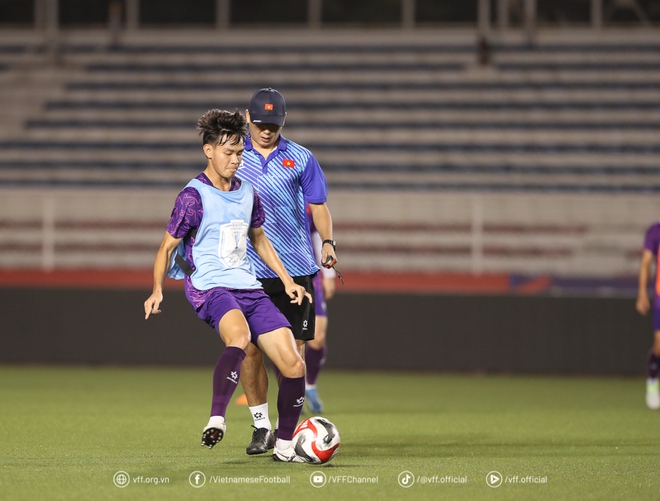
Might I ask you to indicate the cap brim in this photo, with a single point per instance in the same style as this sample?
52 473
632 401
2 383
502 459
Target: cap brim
267 119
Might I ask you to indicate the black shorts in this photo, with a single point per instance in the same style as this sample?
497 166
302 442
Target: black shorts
301 317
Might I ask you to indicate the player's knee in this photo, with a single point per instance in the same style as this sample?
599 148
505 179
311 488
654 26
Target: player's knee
295 369
242 342
238 339
253 353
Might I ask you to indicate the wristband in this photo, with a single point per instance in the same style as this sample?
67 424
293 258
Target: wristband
331 242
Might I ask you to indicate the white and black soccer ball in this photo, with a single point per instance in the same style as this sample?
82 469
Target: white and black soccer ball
316 440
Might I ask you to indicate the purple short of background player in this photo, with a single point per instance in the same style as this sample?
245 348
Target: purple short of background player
319 296
651 244
656 316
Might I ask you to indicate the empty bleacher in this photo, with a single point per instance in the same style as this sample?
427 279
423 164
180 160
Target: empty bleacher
544 161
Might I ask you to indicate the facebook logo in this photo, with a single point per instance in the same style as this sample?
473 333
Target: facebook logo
197 479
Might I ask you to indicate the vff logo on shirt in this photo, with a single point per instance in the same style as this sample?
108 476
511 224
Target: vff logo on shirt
232 247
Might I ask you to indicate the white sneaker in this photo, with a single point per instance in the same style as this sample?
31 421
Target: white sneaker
287 456
653 394
213 432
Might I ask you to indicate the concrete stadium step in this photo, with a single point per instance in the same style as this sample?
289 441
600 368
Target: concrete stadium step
107 126
276 57
375 145
316 65
251 51
373 161
154 178
619 180
582 66
369 97
524 164
351 136
132 84
451 40
473 77
376 117
530 105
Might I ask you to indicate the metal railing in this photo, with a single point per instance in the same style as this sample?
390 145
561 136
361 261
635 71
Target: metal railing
126 13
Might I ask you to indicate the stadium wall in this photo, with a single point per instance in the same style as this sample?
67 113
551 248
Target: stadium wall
425 332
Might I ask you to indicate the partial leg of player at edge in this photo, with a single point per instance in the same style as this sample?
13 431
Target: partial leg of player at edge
653 369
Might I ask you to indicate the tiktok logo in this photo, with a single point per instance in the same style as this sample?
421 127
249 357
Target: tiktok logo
406 479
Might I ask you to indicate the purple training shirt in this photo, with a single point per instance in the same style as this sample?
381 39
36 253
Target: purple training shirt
652 239
651 244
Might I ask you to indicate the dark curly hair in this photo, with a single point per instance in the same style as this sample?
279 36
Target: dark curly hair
219 126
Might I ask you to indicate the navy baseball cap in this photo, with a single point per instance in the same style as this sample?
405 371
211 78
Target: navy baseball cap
267 106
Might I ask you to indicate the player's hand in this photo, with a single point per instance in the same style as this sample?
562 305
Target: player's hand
151 305
329 287
643 305
297 293
328 256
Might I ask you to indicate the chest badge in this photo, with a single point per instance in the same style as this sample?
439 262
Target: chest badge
288 163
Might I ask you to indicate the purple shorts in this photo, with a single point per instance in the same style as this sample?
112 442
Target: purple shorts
319 296
261 314
656 316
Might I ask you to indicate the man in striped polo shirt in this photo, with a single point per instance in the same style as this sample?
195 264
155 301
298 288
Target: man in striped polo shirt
285 175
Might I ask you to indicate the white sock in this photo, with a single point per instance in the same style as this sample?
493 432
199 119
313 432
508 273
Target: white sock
283 444
310 387
260 416
216 422
651 381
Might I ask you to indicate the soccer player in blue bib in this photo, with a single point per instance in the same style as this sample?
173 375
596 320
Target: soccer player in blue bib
213 218
285 175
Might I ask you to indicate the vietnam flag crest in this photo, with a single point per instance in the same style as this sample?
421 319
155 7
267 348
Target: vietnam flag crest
288 163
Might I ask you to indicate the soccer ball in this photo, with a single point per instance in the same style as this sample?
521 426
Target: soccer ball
316 440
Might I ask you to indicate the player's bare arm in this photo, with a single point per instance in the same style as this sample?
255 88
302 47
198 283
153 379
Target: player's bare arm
266 251
643 304
323 222
161 264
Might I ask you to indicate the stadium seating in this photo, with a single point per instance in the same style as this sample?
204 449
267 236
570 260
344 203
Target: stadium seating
544 161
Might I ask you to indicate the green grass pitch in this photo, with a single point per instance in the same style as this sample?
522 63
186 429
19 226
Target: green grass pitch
66 432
